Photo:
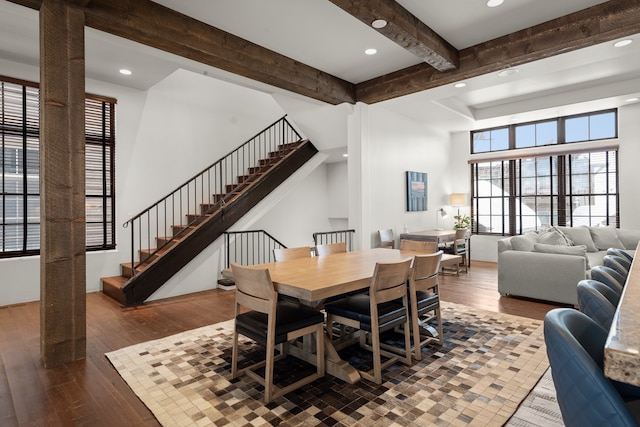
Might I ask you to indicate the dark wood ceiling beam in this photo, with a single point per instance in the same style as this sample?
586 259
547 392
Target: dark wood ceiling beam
152 24
404 29
601 23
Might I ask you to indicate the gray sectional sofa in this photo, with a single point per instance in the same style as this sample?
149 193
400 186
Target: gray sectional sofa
548 265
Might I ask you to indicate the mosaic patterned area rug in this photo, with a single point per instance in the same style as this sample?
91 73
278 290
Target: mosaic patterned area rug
487 366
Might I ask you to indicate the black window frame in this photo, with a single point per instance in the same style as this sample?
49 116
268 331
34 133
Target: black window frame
560 197
19 137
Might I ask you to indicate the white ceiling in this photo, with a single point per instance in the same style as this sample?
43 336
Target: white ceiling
321 35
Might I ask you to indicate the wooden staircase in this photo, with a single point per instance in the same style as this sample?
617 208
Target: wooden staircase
156 266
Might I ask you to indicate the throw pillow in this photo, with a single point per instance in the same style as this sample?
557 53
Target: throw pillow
605 238
580 236
567 240
524 242
580 250
552 238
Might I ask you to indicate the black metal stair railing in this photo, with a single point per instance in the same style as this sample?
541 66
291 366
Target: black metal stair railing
250 247
326 237
172 217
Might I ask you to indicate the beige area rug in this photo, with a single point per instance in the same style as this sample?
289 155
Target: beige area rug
487 366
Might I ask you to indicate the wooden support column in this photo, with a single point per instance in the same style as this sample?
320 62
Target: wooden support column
62 184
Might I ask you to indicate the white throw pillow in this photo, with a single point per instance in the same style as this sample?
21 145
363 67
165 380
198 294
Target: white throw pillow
552 238
524 242
579 250
605 238
580 236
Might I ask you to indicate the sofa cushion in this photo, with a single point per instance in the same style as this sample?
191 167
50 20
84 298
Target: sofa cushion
580 236
579 250
524 242
605 238
629 238
552 238
567 240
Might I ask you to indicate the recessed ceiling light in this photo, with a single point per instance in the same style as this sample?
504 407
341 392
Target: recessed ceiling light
371 51
622 43
507 72
379 23
634 99
459 85
345 155
125 72
494 3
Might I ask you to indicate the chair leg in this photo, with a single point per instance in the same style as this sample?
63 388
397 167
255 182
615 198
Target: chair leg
234 355
268 370
417 341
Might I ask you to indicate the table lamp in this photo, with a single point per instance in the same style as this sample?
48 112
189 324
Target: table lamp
440 213
457 200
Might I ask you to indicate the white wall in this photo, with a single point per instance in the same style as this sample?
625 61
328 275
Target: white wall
397 144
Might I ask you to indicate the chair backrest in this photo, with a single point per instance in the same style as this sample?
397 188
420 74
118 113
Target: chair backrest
418 246
575 348
387 245
254 288
386 235
593 303
621 253
609 277
619 264
611 294
389 281
461 234
331 248
424 273
282 254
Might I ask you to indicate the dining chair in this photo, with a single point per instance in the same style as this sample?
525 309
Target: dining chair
386 239
282 254
331 248
619 264
383 308
419 246
459 246
575 348
424 299
271 322
593 300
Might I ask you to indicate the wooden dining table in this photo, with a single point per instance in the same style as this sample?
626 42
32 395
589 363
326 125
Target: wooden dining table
622 348
315 279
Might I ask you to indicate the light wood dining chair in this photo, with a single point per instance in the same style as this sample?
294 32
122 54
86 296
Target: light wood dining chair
282 254
419 246
271 322
386 239
383 308
459 247
331 248
424 298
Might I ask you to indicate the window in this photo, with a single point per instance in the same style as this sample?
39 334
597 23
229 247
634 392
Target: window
570 181
20 173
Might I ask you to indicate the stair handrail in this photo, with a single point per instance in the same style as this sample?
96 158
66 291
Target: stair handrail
214 181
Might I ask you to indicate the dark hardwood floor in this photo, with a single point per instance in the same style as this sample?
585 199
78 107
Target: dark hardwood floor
91 393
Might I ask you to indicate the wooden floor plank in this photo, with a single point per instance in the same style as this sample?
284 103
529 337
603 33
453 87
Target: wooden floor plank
90 391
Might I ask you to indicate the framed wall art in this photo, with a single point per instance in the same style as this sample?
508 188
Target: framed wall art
416 191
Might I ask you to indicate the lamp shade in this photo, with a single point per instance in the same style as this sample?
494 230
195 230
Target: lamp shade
457 199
